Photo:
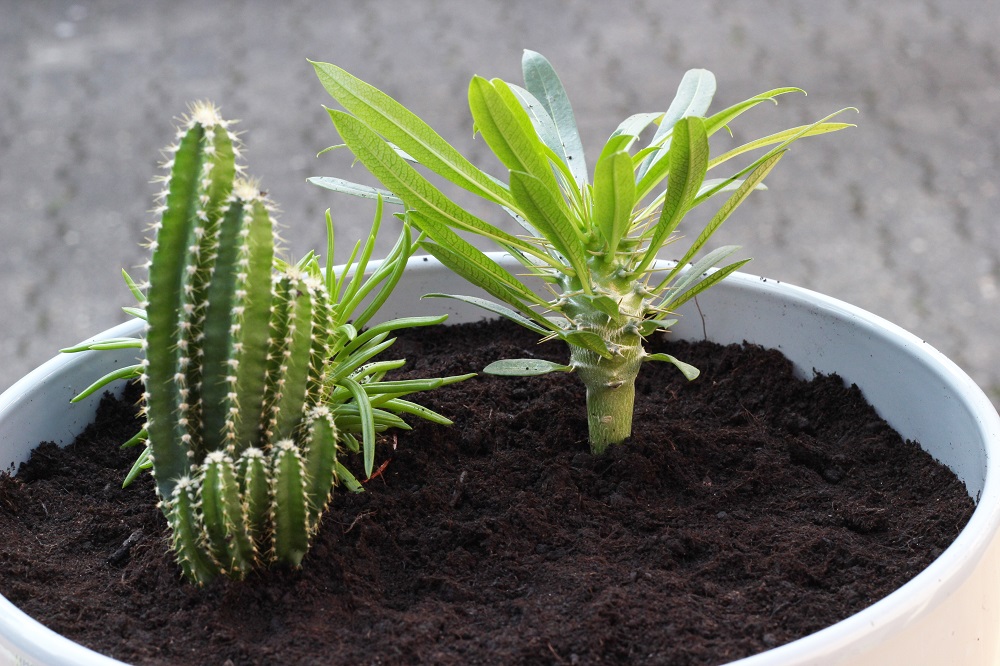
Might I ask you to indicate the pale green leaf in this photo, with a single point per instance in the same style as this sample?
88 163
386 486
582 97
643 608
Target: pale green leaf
689 371
796 132
524 367
719 120
105 344
694 96
691 275
541 81
777 150
354 189
706 282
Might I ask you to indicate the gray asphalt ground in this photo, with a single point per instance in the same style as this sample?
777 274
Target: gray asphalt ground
897 216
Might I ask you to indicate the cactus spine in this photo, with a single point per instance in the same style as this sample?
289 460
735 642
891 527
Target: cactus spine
243 448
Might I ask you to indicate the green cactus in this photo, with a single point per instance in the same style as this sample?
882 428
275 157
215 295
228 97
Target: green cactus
254 369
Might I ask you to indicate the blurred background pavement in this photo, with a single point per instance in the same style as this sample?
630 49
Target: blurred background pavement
897 216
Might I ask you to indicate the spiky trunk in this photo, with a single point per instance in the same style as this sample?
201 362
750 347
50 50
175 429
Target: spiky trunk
610 380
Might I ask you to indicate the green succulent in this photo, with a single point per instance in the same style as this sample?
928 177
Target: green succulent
256 371
592 243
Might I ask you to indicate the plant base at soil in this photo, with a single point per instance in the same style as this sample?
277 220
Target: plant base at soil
749 509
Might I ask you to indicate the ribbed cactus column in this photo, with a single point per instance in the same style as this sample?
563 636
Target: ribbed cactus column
254 373
243 452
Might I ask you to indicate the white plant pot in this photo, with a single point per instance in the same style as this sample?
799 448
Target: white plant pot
948 614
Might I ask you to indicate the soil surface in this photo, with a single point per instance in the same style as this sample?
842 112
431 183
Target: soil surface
749 509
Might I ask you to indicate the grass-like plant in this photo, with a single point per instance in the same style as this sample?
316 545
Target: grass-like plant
592 243
255 370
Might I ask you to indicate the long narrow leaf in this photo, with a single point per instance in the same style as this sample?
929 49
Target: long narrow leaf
688 159
404 181
541 81
407 131
690 372
507 129
780 148
524 367
367 421
485 279
723 214
472 264
780 137
614 197
546 212
708 281
719 120
496 309
128 372
354 189
693 274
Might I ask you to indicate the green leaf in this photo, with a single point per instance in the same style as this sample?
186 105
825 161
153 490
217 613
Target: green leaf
128 372
470 263
133 287
354 189
405 129
367 421
524 367
393 325
141 464
692 133
546 211
588 340
689 371
542 81
496 309
541 121
415 190
723 214
614 197
650 326
138 313
793 133
694 274
508 131
688 163
708 281
413 409
719 120
104 345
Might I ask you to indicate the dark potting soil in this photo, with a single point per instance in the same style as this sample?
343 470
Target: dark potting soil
749 509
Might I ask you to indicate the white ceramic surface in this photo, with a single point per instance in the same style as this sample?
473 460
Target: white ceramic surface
948 614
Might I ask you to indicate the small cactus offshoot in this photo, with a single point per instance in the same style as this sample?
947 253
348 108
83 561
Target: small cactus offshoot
255 370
